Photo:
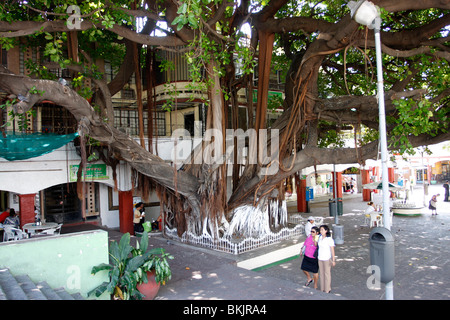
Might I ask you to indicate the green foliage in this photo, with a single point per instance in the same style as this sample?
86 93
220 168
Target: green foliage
274 102
331 138
416 118
188 14
23 119
53 48
158 262
346 72
128 266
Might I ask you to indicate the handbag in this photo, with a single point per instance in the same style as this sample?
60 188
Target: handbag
316 253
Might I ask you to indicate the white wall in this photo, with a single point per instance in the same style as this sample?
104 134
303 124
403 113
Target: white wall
109 216
35 174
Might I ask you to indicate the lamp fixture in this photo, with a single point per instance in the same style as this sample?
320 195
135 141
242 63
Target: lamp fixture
364 12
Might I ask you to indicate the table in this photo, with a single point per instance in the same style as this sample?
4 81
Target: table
31 228
415 211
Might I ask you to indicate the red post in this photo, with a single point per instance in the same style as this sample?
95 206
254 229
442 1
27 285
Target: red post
391 175
26 208
300 185
126 212
365 179
338 184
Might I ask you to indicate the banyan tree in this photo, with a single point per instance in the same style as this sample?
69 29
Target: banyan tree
326 61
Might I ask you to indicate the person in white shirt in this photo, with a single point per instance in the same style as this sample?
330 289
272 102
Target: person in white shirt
371 212
370 208
308 226
326 258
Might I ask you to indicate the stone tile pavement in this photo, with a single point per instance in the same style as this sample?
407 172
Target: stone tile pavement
422 262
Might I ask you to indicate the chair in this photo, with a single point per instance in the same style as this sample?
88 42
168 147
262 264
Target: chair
375 219
379 221
367 219
11 233
58 229
53 231
8 233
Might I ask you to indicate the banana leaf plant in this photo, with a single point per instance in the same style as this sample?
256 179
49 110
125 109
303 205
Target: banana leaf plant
158 262
127 268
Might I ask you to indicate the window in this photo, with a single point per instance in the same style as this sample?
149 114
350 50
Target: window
160 129
127 119
128 94
4 57
57 119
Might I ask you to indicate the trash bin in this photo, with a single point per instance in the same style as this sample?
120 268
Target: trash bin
338 233
332 207
382 252
147 226
340 206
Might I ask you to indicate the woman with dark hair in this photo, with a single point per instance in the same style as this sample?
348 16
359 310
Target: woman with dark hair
326 257
13 219
138 217
310 263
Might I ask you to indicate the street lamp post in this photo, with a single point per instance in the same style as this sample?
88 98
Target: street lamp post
366 13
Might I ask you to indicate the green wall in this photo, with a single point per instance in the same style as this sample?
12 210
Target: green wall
62 261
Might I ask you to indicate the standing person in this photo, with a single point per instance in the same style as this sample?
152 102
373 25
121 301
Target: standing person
138 217
433 204
446 186
310 262
308 226
326 258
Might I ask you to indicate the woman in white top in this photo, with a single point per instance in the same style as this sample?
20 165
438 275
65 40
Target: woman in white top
370 208
370 211
326 258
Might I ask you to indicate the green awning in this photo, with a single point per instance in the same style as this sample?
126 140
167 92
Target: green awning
20 146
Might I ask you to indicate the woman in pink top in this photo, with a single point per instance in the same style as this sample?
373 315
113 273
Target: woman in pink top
310 263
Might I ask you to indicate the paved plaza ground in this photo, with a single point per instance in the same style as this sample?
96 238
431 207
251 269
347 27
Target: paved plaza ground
422 265
422 262
422 259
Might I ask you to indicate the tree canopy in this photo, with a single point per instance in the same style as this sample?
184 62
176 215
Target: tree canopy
326 59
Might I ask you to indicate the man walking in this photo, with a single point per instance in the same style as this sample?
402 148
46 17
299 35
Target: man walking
446 191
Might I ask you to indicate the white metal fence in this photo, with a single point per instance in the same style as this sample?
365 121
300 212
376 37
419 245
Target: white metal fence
233 246
299 219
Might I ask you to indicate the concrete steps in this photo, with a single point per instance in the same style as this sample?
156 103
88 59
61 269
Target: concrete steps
21 287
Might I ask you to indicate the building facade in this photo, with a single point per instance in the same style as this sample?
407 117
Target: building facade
46 185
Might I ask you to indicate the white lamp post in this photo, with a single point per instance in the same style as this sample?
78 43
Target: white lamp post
366 13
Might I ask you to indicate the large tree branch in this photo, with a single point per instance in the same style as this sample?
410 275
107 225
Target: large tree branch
261 185
404 5
24 28
123 145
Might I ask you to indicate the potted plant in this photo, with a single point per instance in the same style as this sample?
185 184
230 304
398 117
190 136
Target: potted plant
129 266
153 272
